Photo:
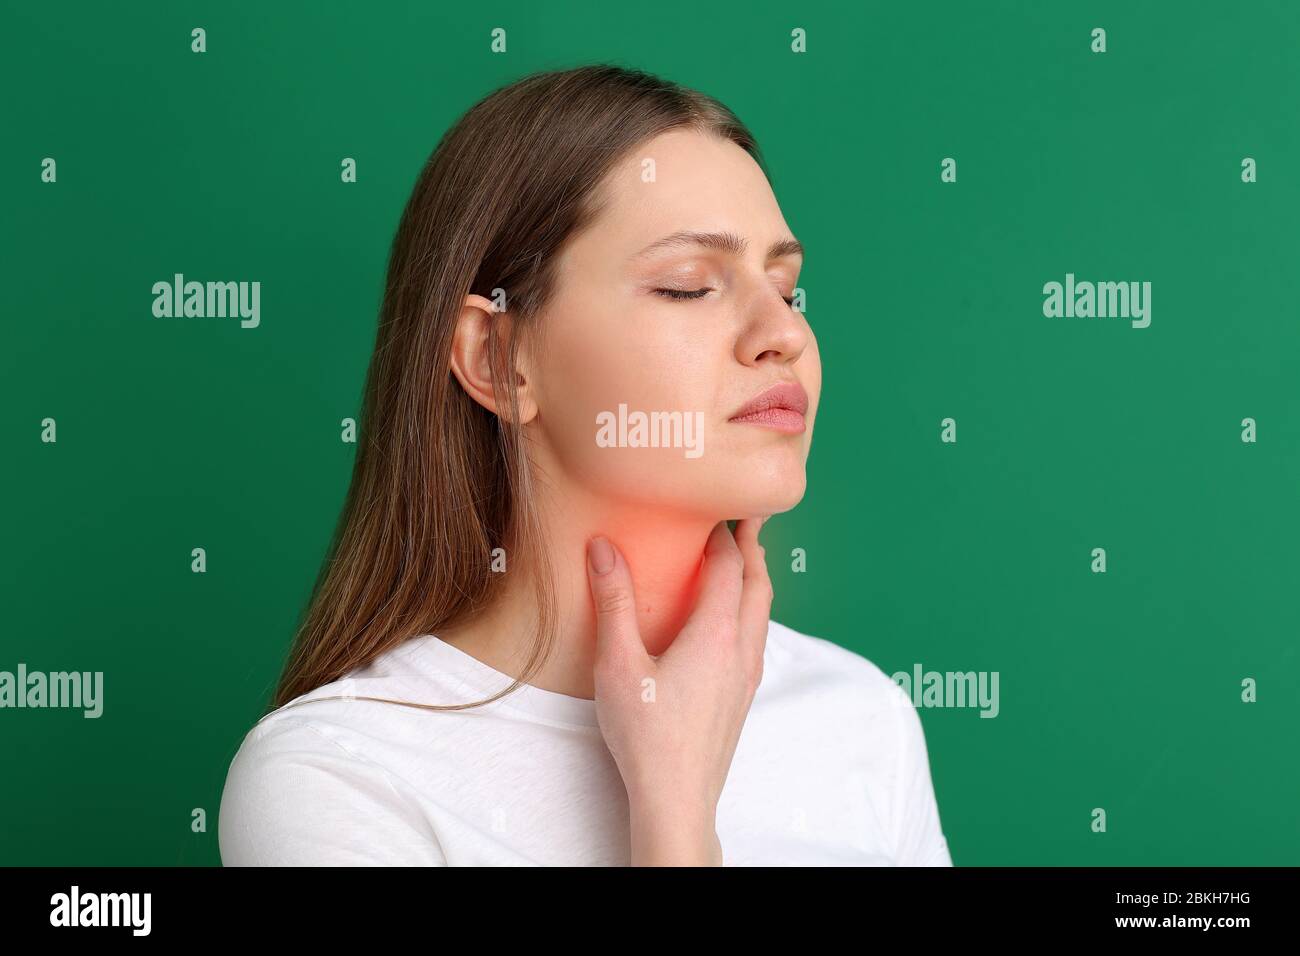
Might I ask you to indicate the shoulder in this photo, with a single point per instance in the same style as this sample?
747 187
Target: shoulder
844 687
295 795
857 694
837 667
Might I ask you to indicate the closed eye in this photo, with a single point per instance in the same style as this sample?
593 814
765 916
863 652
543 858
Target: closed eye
682 294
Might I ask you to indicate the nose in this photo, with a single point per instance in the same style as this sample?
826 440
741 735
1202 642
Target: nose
773 330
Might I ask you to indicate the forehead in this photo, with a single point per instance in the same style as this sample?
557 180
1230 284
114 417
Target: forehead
678 180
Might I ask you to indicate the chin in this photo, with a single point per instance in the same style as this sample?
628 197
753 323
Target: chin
770 494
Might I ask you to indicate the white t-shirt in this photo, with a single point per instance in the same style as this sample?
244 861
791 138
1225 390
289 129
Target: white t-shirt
831 768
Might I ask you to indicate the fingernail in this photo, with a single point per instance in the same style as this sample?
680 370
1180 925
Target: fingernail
600 554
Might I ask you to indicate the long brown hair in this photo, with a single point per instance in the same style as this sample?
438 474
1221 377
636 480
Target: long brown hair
439 482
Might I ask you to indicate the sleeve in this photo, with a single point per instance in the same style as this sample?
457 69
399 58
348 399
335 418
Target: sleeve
295 797
920 840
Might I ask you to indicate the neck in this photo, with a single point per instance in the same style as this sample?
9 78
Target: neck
662 550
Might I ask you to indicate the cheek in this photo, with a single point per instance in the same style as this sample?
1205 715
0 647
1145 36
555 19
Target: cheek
647 363
634 358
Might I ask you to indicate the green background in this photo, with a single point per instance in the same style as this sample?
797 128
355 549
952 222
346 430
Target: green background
1118 690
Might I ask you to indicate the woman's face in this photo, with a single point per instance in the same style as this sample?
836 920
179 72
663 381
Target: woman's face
721 336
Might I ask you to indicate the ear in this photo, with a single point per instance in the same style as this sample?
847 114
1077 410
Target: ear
471 359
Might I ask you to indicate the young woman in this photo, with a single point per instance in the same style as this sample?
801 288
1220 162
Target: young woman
536 640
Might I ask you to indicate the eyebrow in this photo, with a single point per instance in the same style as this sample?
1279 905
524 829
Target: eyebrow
727 242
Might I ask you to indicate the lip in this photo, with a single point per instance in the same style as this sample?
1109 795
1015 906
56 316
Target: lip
782 407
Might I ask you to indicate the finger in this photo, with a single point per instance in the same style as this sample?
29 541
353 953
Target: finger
617 634
756 586
718 595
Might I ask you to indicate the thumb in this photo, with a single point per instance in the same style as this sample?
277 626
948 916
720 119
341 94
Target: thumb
617 634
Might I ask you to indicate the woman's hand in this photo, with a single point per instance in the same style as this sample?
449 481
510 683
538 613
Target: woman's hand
672 722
